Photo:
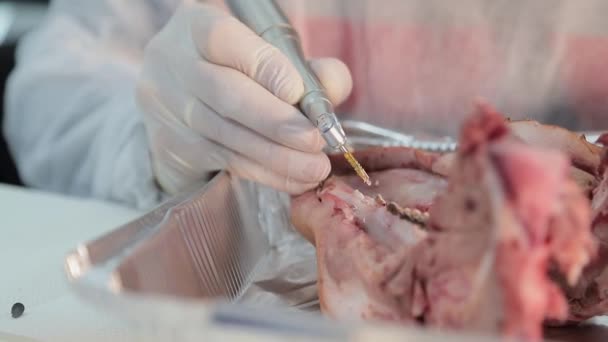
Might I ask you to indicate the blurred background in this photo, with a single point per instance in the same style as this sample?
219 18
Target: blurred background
16 18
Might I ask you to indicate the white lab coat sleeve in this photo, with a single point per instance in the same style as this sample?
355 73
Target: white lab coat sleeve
71 119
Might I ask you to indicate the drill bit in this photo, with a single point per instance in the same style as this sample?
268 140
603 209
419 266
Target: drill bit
356 166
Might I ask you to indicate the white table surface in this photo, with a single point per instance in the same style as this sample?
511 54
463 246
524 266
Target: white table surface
37 231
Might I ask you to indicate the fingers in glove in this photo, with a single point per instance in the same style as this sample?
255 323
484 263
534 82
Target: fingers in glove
248 169
201 121
183 158
191 161
301 166
237 97
223 40
335 77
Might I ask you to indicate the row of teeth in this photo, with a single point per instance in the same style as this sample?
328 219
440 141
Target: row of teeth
411 214
415 215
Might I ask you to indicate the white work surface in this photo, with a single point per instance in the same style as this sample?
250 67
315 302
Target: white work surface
38 230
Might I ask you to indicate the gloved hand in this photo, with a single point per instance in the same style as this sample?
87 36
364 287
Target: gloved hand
217 96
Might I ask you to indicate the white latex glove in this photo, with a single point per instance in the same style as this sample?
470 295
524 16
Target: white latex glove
217 96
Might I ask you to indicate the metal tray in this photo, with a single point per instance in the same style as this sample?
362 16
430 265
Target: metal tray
362 134
186 269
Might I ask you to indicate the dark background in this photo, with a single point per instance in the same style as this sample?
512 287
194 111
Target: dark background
8 172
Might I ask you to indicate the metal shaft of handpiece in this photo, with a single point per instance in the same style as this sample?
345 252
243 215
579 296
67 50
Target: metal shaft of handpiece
267 20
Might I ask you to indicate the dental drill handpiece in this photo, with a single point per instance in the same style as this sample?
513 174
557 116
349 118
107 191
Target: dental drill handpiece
267 20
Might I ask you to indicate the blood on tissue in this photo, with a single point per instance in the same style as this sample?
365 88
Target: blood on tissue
340 207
